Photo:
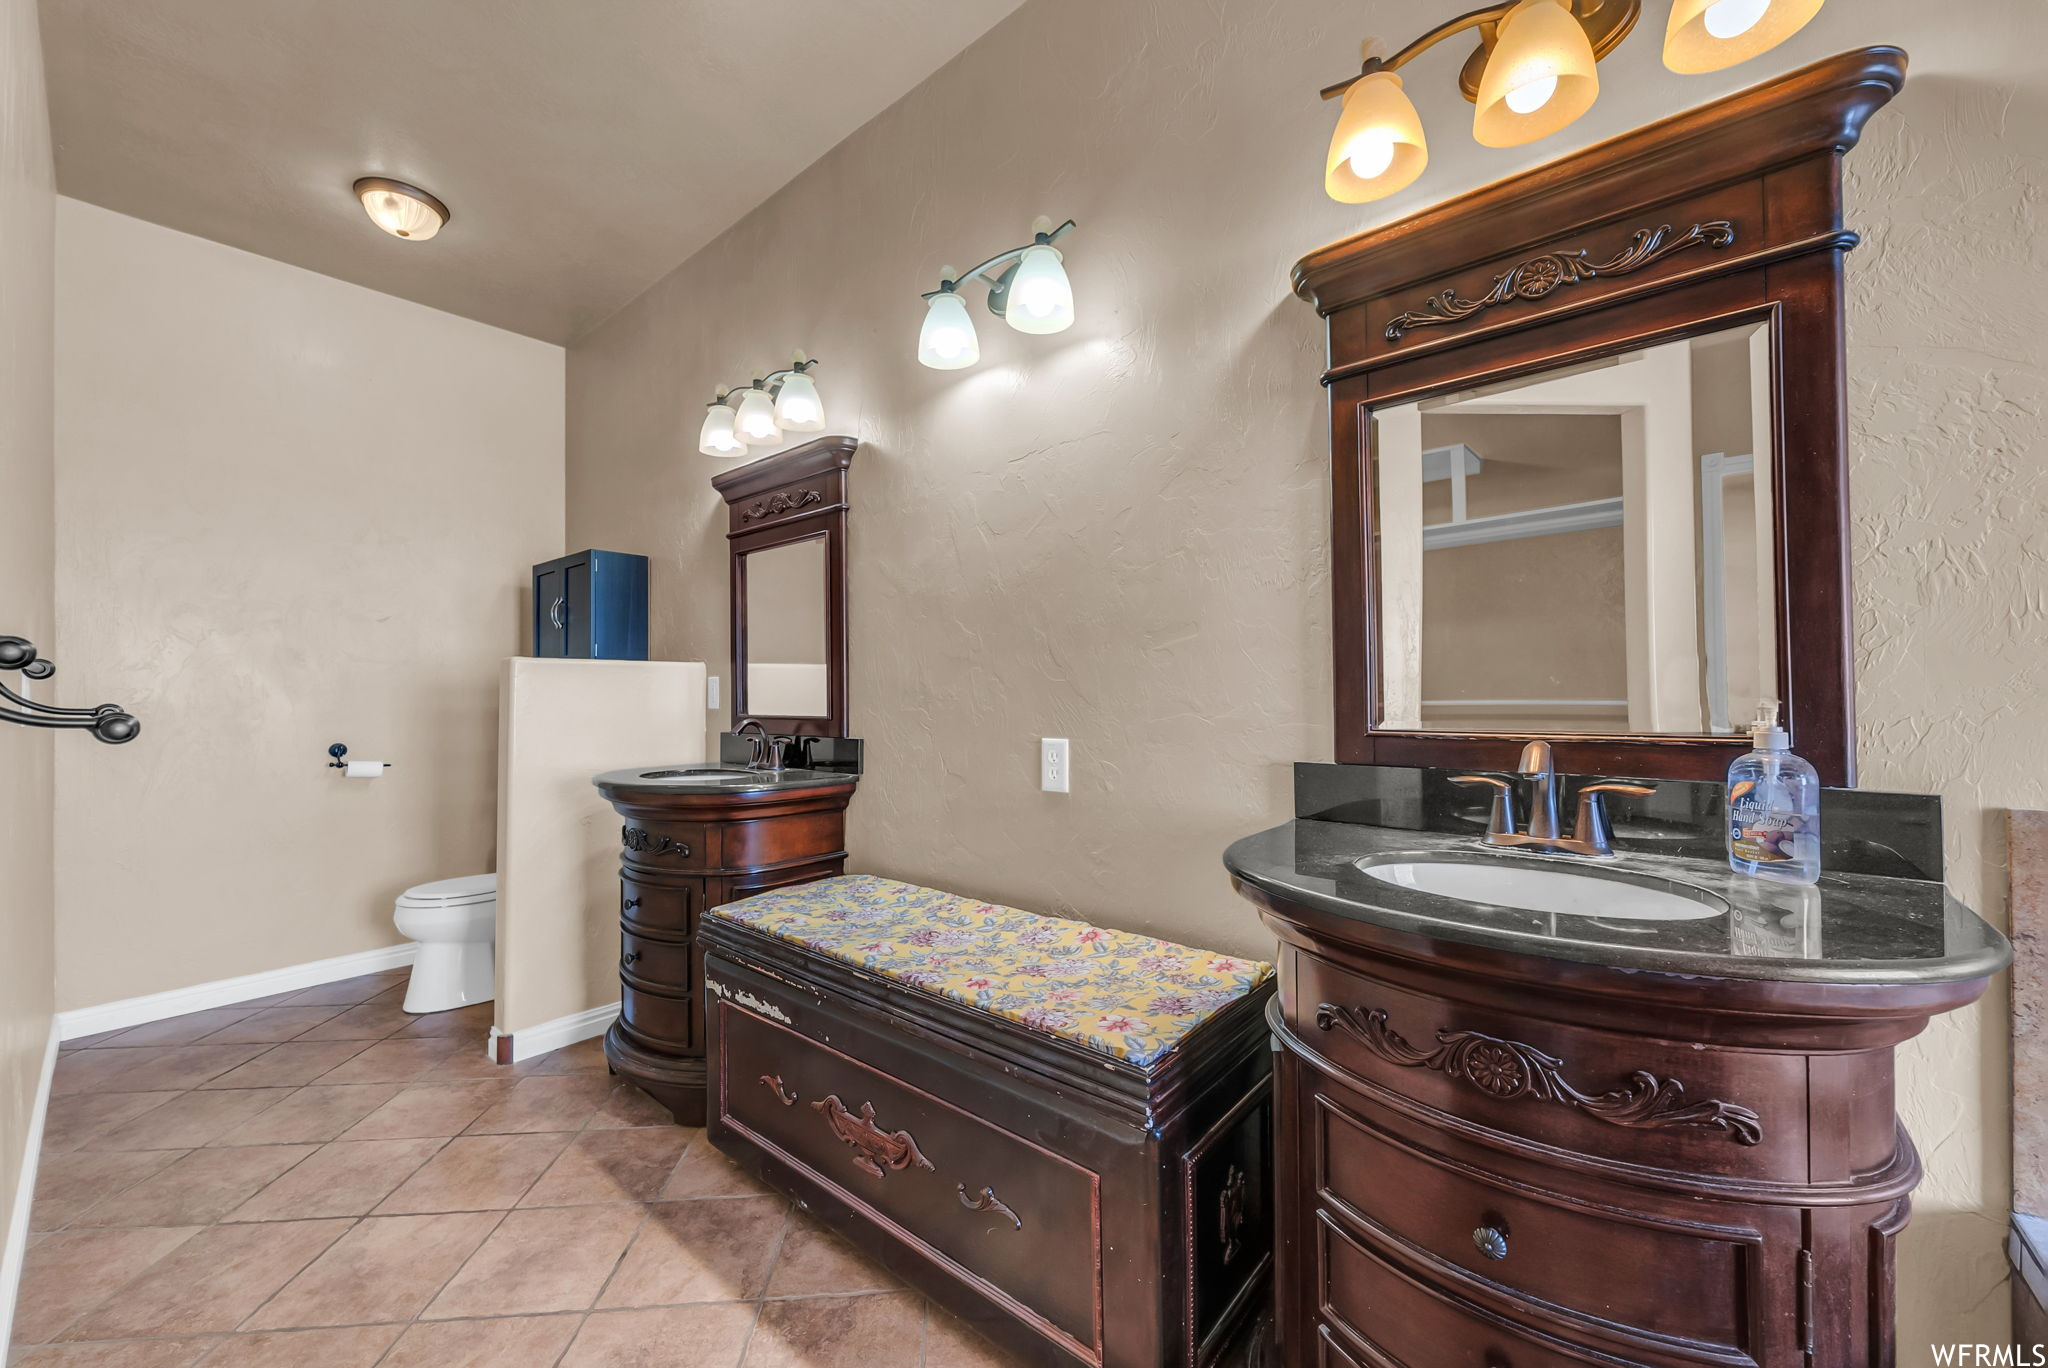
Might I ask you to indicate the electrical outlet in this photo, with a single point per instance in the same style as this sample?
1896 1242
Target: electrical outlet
1052 764
711 693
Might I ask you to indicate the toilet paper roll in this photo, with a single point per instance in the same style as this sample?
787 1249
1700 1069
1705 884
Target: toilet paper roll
364 769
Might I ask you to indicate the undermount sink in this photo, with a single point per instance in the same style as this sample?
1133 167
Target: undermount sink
699 773
1606 896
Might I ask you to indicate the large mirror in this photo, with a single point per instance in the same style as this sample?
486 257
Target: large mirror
784 594
1583 550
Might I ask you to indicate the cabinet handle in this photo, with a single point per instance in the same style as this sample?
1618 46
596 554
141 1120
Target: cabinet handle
629 904
629 959
556 617
1492 1243
988 1201
782 1095
875 1150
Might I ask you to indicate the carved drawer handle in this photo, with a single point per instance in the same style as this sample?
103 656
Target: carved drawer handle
874 1148
1491 1242
988 1201
644 842
774 1082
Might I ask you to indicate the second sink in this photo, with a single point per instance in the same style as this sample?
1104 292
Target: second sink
1607 896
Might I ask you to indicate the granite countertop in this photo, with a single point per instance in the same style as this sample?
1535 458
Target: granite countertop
1849 928
704 776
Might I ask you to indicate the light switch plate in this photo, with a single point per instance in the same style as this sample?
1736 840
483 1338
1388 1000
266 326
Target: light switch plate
1052 764
711 692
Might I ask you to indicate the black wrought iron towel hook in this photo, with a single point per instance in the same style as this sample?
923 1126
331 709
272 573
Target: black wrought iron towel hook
107 721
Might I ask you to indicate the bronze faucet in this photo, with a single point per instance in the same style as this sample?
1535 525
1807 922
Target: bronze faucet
767 749
1591 833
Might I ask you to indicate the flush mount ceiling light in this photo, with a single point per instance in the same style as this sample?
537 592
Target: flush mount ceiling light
1027 288
401 210
1532 74
754 415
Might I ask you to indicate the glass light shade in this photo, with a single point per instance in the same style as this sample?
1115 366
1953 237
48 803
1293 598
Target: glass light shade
716 437
797 405
756 419
398 213
1706 35
947 341
1378 147
1539 78
1041 297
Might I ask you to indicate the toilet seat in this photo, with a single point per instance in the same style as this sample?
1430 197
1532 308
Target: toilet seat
455 922
471 888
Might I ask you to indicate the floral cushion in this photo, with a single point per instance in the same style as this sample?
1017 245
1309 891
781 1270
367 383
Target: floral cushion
1122 994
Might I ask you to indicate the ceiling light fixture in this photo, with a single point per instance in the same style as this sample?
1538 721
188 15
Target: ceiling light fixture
755 415
1027 288
401 210
1532 74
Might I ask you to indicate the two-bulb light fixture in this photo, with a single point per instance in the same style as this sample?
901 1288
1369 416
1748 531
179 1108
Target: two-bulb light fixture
1532 74
402 210
1027 288
759 414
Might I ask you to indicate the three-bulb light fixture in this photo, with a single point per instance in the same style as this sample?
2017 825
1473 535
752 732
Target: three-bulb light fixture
759 414
1533 73
1027 288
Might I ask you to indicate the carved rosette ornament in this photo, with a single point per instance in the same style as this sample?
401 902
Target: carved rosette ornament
784 501
641 841
1539 276
1508 1069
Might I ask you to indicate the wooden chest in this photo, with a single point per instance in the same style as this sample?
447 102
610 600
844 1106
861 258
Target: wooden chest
1076 1208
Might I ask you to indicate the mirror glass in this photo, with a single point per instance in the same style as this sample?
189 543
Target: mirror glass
1584 550
785 616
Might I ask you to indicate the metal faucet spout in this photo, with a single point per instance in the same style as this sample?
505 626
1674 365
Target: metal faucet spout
1536 765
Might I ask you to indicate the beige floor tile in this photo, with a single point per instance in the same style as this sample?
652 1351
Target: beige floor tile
465 1059
949 1343
346 993
210 1282
609 1166
201 1187
74 1122
704 1172
420 1110
506 1342
290 1064
628 1106
392 1061
585 1056
545 1104
87 1042
838 1332
474 1021
68 1274
180 1030
345 1178
69 1185
554 1259
150 1069
366 1021
699 1251
191 1119
272 1025
815 1261
707 1336
476 1173
310 1115
160 1353
386 1269
356 1346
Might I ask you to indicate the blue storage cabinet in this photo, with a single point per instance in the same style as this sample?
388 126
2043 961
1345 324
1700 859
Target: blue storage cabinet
591 606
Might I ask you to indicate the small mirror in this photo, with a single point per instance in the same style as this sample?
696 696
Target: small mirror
785 599
1586 550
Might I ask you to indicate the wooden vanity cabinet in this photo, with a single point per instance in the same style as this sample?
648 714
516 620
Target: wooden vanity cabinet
683 852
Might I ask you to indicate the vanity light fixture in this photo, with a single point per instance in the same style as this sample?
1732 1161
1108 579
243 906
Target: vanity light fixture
1532 74
401 210
754 415
1027 288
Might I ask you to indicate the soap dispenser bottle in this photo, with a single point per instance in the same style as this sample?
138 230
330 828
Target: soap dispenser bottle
1773 807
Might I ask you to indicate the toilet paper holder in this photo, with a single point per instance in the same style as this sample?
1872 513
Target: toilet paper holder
337 750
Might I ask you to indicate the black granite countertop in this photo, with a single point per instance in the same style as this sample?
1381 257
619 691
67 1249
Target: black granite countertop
1850 928
703 776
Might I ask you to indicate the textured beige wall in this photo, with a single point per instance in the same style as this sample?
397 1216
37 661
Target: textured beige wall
290 511
26 902
1118 534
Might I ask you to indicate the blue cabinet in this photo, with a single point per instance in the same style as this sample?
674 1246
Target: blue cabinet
591 606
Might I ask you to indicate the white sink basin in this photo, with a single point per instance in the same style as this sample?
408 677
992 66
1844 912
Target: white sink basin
1543 890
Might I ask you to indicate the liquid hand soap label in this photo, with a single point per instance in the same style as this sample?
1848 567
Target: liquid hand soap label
1773 807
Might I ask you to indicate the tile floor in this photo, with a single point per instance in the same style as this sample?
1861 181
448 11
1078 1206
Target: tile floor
317 1180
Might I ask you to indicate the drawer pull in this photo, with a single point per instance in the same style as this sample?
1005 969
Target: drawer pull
874 1148
629 904
644 842
774 1082
988 1201
629 959
1508 1070
1492 1243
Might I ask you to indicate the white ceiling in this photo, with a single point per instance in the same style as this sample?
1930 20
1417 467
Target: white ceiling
583 147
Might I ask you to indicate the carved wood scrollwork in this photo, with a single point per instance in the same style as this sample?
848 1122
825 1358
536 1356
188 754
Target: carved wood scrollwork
643 842
988 1201
1231 1213
782 501
1508 1069
874 1148
1538 276
774 1082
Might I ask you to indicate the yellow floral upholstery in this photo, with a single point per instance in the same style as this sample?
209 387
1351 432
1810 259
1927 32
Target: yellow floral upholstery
1122 994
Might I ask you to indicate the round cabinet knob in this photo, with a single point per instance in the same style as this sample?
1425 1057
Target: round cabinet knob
630 957
1492 1243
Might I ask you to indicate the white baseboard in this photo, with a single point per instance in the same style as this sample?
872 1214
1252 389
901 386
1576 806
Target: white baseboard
15 1245
116 1016
553 1035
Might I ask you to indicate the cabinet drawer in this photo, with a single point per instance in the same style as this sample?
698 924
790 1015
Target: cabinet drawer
654 844
660 908
1018 1221
1608 1265
662 965
662 1021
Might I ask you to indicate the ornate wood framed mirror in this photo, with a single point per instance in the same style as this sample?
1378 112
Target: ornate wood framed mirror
1590 449
786 528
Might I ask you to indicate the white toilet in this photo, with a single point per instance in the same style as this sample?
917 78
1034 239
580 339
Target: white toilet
455 922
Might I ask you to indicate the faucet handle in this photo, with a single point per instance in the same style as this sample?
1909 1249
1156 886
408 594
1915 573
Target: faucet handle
1592 829
1501 821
